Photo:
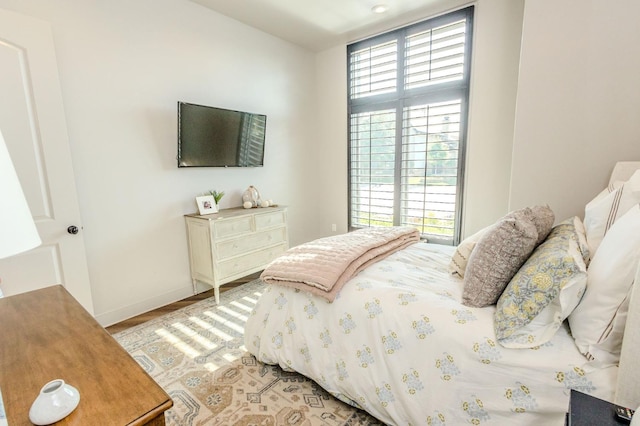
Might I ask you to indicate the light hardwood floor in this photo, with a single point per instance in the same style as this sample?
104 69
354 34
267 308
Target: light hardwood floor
147 316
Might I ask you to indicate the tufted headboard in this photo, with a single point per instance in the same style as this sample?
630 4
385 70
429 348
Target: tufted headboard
628 386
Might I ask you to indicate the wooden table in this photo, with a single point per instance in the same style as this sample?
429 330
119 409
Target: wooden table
46 334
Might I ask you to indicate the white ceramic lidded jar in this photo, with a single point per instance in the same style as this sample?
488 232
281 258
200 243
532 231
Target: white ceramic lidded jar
56 401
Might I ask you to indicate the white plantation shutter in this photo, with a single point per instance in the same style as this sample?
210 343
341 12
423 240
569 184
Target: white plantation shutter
431 140
408 92
373 147
435 56
374 70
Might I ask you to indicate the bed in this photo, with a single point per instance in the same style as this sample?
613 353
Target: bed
397 341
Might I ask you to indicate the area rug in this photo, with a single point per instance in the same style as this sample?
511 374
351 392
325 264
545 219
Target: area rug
197 355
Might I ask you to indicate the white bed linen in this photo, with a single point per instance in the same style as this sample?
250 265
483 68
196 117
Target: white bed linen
398 343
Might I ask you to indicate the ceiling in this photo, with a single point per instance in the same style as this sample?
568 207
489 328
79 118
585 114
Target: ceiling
321 24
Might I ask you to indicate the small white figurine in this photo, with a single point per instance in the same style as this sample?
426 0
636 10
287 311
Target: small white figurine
251 195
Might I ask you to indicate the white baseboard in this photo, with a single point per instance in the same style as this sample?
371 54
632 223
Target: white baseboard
113 317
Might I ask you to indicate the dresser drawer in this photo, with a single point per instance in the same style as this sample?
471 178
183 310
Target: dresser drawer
234 243
250 261
248 243
231 227
268 220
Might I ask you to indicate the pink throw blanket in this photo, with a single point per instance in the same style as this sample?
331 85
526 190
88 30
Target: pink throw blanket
323 266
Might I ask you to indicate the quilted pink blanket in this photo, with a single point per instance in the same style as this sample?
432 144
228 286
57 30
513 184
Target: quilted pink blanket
323 266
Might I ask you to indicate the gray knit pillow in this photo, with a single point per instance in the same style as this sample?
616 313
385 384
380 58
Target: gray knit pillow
543 219
497 257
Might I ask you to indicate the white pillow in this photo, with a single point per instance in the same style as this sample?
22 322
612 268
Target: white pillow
582 240
598 322
602 212
460 257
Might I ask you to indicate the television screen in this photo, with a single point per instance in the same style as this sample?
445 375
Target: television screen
217 137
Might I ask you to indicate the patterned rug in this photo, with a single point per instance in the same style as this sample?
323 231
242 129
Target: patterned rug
197 355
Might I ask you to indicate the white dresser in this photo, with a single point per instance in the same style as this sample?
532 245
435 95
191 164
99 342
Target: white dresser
234 243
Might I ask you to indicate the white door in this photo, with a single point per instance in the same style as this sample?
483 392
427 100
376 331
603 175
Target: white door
33 125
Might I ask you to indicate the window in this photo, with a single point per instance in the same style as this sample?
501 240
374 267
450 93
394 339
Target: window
408 101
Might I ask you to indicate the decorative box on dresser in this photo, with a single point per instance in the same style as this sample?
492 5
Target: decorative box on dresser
233 243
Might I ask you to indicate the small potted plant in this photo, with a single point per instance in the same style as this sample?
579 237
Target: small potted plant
217 196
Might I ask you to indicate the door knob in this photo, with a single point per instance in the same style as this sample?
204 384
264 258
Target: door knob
72 229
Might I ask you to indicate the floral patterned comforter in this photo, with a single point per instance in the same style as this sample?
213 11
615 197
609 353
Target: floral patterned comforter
398 343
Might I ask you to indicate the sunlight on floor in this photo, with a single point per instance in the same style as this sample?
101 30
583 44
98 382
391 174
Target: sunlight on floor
206 343
202 324
230 357
231 317
239 305
251 299
177 343
233 313
224 322
211 366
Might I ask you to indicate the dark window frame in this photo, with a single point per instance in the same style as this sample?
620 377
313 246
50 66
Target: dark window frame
402 98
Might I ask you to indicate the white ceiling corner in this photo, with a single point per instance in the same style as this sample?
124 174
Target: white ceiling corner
318 25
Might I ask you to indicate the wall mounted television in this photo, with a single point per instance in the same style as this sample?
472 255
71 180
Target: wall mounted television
217 137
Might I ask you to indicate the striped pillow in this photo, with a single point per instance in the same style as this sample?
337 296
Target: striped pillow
612 203
460 257
598 322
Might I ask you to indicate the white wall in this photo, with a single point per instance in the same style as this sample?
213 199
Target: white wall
123 66
578 101
496 50
331 146
496 53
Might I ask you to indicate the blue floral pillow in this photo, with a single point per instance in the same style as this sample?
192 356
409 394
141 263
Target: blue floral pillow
545 290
